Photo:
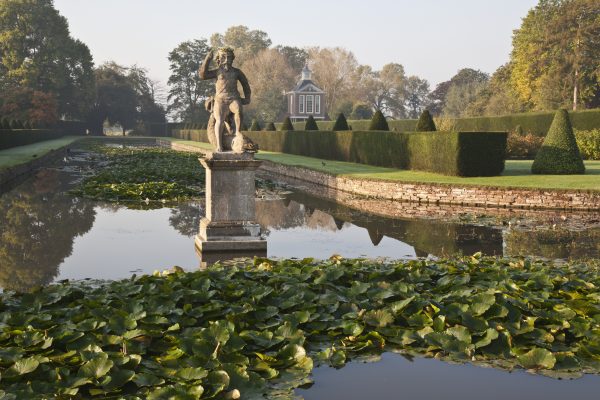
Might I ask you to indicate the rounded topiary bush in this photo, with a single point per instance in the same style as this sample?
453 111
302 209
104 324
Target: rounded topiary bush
378 122
559 154
287 125
255 126
311 124
270 127
425 123
340 123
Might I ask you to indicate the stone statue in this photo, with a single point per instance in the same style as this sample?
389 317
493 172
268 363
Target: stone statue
224 125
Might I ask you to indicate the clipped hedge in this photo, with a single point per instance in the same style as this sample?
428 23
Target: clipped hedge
535 123
20 137
449 153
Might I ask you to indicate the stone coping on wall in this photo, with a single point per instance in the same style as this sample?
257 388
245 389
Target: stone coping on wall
11 176
430 193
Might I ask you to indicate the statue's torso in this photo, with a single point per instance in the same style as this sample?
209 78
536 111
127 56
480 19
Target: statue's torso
226 86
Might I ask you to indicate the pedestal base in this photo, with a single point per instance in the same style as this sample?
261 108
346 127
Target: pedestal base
229 229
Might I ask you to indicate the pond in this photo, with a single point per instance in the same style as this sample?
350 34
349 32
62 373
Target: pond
47 235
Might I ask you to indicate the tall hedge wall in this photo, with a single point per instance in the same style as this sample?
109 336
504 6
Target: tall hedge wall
450 153
536 123
20 137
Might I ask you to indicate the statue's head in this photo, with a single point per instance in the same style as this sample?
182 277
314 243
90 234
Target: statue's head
225 56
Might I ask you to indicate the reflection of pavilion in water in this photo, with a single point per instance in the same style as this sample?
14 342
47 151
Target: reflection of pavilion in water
426 236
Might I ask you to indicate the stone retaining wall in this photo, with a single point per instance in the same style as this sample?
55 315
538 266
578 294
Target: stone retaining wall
428 193
11 176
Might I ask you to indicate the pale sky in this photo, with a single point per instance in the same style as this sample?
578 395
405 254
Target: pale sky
431 38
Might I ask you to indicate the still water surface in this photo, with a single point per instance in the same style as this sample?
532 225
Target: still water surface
48 235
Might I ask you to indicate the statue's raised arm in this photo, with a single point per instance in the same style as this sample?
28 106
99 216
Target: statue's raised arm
227 101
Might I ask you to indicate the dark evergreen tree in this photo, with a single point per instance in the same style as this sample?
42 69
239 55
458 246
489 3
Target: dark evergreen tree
559 154
340 123
287 125
5 123
255 126
270 127
425 123
378 122
311 124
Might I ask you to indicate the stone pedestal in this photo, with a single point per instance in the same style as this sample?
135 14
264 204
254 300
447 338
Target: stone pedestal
229 226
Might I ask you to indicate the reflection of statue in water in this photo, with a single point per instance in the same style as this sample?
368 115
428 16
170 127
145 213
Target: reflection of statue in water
225 123
38 225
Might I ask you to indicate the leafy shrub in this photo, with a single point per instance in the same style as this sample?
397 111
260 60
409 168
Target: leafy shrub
589 143
270 127
362 111
311 124
287 125
5 123
425 123
255 126
559 153
14 124
519 130
340 123
525 146
378 122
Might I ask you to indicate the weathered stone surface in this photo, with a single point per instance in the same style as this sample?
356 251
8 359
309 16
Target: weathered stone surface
230 221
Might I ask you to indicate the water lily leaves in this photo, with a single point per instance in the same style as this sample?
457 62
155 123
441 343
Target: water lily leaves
147 379
480 303
191 374
255 328
537 358
96 368
24 366
378 318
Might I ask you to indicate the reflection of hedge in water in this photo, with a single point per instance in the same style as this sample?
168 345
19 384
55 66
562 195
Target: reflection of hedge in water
37 231
427 236
554 243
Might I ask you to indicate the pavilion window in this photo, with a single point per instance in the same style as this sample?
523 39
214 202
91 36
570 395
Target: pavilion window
301 104
309 104
317 104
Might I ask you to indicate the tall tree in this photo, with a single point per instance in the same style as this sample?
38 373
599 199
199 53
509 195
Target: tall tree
332 70
555 55
270 75
454 96
246 43
37 52
186 89
417 94
295 57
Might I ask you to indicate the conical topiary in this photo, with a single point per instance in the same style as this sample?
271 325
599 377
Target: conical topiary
425 123
14 124
5 123
255 126
287 125
559 154
270 127
340 123
378 122
311 124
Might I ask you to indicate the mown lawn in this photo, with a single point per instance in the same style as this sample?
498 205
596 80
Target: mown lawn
22 154
517 172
